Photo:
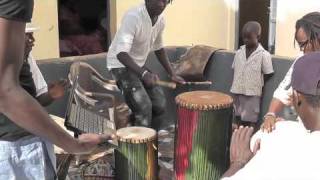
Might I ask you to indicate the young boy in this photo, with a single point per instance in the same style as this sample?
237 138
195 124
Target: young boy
250 64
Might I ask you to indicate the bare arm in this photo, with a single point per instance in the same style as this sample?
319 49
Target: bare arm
18 105
128 62
276 106
164 60
148 78
45 99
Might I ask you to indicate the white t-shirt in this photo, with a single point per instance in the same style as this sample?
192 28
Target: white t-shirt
39 82
288 153
136 36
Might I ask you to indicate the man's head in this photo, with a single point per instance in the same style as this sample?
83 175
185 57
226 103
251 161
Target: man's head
251 32
29 39
156 7
306 89
308 32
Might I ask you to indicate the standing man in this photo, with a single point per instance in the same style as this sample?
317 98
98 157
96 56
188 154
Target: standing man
140 33
22 148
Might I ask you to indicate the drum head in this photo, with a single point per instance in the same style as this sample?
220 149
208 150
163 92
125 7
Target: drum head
136 134
204 100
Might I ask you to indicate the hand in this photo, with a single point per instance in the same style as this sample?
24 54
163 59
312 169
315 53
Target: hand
269 124
86 143
240 153
56 89
178 79
150 79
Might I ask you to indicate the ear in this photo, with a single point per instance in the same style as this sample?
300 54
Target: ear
258 37
296 99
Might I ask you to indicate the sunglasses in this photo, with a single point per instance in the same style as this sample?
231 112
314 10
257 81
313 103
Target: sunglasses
302 45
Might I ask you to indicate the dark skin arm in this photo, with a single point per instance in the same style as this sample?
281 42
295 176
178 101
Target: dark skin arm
266 77
164 60
19 106
56 91
149 78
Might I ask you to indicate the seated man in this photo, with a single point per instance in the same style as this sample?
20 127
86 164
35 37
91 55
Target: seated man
44 95
291 152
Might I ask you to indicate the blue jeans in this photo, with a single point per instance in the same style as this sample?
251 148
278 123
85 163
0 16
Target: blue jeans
146 103
25 159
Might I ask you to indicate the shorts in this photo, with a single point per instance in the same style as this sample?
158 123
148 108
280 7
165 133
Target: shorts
16 10
247 107
26 158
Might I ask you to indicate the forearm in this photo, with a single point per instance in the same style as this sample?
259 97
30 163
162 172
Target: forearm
23 110
45 99
276 106
233 169
128 62
164 60
267 77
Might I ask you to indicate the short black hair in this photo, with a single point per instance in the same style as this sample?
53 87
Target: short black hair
310 23
252 26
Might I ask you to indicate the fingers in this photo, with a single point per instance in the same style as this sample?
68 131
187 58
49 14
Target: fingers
256 147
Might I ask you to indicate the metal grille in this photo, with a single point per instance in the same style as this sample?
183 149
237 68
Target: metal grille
83 120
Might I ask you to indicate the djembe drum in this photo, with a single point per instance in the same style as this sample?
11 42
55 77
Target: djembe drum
203 134
136 156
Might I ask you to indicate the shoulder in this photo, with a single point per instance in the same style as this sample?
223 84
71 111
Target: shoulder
133 14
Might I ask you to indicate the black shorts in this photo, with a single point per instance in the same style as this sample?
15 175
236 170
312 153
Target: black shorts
17 10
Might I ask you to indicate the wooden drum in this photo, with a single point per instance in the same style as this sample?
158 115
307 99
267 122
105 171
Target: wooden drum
136 156
203 133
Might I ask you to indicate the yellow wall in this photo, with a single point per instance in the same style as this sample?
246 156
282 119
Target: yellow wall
289 11
45 16
188 22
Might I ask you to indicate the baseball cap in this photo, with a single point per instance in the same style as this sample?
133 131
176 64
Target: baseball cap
306 74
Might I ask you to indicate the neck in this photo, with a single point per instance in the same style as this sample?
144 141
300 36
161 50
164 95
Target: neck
253 47
313 117
153 17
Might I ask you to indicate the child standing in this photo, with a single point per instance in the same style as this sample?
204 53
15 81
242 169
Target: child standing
250 64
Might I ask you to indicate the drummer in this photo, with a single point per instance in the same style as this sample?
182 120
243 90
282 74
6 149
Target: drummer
290 142
140 33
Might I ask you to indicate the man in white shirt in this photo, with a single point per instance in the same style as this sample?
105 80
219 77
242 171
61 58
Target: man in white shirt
291 151
140 33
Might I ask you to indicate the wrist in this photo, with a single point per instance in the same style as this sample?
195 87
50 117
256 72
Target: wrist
144 73
270 114
237 164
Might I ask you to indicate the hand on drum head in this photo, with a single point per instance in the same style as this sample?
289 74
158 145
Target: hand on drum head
86 143
240 153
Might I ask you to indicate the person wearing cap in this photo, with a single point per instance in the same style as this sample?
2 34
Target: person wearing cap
44 95
307 36
291 151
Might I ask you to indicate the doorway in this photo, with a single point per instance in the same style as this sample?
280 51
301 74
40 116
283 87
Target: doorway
84 27
255 11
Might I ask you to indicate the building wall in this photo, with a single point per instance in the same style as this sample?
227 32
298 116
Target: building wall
45 16
211 22
289 11
190 22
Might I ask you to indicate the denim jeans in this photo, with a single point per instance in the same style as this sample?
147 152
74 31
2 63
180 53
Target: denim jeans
146 103
25 159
